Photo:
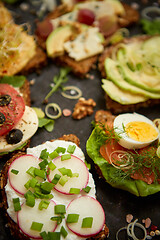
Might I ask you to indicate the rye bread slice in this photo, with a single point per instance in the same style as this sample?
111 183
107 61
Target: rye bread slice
14 229
112 105
81 68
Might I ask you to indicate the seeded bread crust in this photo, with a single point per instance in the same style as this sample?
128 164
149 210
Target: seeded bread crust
81 68
14 229
112 105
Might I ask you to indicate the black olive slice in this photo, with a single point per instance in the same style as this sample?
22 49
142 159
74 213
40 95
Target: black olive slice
5 100
2 118
14 136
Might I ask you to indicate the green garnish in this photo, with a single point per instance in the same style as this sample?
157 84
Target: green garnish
44 235
54 235
44 154
30 200
87 222
43 204
63 232
46 187
60 150
51 166
53 154
43 164
66 157
71 149
14 171
72 218
16 204
59 209
58 80
87 189
58 219
36 226
39 112
47 123
56 178
15 81
63 180
151 27
40 173
74 190
27 184
30 171
33 182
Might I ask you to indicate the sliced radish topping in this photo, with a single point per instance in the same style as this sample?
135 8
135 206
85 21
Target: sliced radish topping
86 207
79 170
29 215
21 165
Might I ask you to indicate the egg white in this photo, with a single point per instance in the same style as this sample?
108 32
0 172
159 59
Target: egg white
125 141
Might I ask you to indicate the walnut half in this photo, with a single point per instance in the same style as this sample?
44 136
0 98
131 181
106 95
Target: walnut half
83 108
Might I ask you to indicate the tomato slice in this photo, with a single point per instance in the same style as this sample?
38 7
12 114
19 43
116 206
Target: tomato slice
13 111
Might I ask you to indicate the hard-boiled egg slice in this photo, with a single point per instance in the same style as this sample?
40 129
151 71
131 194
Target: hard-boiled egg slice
28 125
135 130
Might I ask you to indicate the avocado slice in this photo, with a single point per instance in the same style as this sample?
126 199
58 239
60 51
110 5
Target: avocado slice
114 75
121 96
56 40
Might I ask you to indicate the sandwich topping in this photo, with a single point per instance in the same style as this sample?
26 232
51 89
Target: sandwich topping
50 192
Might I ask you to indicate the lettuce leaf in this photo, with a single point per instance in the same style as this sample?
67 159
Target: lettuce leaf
15 81
136 187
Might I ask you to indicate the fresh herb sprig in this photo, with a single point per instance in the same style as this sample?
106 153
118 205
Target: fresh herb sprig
58 81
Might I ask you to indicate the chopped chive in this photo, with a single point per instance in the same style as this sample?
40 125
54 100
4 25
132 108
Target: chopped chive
40 173
72 218
87 222
58 219
63 170
43 164
33 182
59 209
16 204
27 184
43 204
60 150
44 235
74 190
51 166
44 154
56 178
14 171
63 232
46 187
63 180
71 149
53 154
87 189
30 200
31 172
28 193
54 235
65 157
36 226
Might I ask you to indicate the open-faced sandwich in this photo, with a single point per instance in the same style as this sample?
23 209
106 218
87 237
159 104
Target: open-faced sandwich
48 193
126 152
131 73
18 50
18 121
75 34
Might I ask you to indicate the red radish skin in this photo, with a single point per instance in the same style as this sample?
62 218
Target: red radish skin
36 215
86 206
22 164
77 166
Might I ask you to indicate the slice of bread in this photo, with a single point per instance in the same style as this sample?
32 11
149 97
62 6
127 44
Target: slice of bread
82 67
114 106
18 50
14 229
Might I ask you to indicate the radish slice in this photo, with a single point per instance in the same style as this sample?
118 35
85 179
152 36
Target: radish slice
86 206
76 165
21 164
27 215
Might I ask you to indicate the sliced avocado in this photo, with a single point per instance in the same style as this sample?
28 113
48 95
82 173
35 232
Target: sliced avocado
119 95
114 75
55 41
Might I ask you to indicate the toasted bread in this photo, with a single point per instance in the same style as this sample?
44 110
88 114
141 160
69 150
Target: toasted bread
25 55
14 229
114 106
82 67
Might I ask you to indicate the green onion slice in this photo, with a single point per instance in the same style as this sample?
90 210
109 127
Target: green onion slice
30 200
14 171
71 149
63 232
46 187
72 88
36 226
51 166
40 173
56 178
87 222
74 191
87 189
43 204
60 150
63 180
58 219
59 209
54 235
66 157
44 235
53 154
16 204
72 218
31 172
56 108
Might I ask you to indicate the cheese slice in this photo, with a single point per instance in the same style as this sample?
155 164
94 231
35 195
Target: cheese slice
28 125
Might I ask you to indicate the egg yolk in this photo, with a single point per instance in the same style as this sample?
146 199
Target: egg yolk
141 131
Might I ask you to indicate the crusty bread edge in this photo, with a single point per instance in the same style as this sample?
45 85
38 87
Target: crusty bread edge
14 229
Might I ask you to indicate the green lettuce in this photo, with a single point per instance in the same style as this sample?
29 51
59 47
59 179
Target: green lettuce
136 187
